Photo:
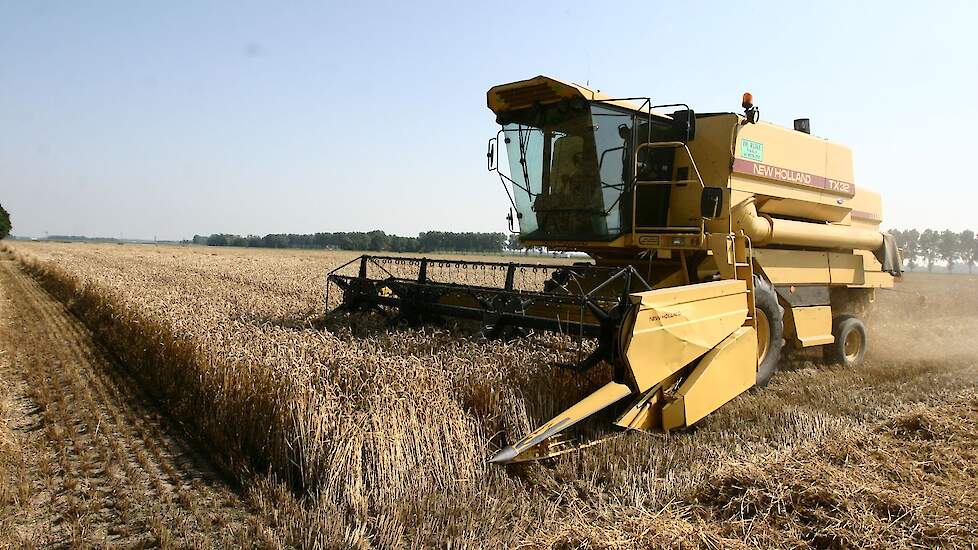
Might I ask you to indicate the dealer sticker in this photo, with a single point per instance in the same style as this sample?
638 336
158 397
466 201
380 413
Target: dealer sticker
751 150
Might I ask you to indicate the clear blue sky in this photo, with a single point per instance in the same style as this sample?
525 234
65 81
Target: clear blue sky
173 118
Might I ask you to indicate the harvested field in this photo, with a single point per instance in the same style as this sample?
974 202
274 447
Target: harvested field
358 436
85 458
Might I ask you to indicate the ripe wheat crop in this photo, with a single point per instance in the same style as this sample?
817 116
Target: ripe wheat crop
363 436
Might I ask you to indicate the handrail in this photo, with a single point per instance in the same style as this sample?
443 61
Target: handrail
636 183
674 145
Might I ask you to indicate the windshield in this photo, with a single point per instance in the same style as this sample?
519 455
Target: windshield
569 166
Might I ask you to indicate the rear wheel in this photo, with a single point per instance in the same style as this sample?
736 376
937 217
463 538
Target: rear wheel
770 330
849 348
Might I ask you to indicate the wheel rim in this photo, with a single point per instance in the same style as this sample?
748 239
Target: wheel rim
763 335
853 345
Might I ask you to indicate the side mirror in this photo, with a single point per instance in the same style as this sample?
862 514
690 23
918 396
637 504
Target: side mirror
684 123
491 154
711 202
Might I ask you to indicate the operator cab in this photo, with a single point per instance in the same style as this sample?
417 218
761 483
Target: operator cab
571 161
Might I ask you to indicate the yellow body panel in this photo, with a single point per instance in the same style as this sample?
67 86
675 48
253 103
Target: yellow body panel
867 209
846 269
807 175
812 324
799 267
784 267
800 152
645 413
876 279
670 329
727 371
870 263
538 443
674 326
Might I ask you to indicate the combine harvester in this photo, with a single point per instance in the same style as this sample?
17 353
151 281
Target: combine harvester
716 240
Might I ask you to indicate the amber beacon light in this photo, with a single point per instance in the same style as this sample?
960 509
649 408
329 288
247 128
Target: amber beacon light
748 101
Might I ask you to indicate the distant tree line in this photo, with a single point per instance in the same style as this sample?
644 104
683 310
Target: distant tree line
928 246
375 241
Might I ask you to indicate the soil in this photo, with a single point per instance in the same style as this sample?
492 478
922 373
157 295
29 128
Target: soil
86 459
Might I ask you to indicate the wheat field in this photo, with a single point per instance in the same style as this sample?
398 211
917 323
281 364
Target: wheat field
354 435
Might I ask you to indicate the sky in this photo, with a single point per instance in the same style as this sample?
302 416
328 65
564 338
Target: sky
169 119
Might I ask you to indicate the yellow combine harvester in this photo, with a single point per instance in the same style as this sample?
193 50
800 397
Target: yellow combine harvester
716 238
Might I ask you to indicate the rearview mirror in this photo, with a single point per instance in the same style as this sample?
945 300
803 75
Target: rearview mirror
711 202
491 153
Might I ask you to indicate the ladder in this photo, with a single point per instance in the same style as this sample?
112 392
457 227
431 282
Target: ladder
744 271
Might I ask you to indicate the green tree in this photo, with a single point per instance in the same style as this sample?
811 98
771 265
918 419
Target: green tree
379 241
275 240
928 243
911 246
947 248
4 222
218 239
968 246
355 241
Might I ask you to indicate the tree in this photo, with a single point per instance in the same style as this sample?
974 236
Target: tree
513 242
355 241
403 244
910 246
217 239
4 222
947 248
968 246
379 241
275 241
928 243
376 241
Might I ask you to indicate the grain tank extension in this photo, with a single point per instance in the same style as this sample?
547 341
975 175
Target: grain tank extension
717 239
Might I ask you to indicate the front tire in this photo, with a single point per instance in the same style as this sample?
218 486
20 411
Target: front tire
770 330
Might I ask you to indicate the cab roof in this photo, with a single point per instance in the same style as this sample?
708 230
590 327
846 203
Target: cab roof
544 89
